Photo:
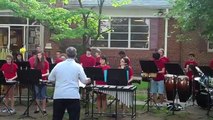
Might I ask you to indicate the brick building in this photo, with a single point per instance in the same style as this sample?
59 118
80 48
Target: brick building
139 28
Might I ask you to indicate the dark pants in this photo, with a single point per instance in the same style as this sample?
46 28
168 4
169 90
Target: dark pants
72 106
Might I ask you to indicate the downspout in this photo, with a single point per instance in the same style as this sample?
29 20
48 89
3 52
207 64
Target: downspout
166 34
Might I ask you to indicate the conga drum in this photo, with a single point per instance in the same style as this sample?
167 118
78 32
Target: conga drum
183 88
169 86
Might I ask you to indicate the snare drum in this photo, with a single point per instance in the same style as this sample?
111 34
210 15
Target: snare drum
184 88
169 86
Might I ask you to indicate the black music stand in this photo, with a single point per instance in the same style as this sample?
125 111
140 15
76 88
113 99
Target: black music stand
29 78
117 77
52 66
176 70
23 65
3 82
96 74
208 72
2 62
148 67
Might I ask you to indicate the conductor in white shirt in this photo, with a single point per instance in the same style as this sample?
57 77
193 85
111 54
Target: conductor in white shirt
66 76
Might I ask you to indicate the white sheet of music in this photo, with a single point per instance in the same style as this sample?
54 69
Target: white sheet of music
81 84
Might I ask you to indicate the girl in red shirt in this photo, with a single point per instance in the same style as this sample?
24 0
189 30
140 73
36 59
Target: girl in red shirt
9 70
101 97
41 89
124 64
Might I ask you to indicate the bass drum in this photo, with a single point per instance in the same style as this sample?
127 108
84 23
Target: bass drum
169 86
184 88
204 98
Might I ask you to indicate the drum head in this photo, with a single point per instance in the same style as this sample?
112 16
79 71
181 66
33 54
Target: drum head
203 99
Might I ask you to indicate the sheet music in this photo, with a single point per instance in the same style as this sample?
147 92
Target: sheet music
81 84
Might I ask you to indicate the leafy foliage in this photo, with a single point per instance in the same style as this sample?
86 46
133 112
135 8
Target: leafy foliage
117 3
194 15
63 23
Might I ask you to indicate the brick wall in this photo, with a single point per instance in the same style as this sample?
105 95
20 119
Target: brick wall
177 51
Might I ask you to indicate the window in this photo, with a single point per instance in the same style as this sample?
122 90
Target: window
125 33
210 46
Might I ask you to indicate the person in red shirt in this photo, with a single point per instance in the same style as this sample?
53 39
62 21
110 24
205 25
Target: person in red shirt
9 70
32 59
101 97
188 63
163 58
157 84
87 60
97 56
124 64
122 54
211 64
40 90
58 58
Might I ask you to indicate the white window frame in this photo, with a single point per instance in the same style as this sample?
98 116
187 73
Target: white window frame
129 35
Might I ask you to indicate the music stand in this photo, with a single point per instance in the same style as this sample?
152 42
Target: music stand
52 66
117 77
29 78
23 65
2 62
208 72
3 82
148 67
176 70
96 74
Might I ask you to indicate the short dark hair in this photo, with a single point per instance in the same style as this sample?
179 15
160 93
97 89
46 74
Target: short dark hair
156 56
104 58
71 52
192 54
88 49
122 53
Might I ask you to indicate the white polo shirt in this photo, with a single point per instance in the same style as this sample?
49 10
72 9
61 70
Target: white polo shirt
66 75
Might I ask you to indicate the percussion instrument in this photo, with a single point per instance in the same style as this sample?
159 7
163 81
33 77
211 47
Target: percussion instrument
205 98
151 75
125 93
181 84
146 76
183 88
169 86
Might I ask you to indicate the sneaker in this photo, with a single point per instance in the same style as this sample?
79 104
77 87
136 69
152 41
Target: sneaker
4 110
45 112
36 111
12 111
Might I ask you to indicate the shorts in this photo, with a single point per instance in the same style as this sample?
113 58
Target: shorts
157 87
41 92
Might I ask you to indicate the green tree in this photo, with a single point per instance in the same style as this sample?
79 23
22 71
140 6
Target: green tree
194 15
63 23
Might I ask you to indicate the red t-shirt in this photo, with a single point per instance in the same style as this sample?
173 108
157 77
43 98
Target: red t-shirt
58 60
190 73
97 61
87 61
211 64
164 59
31 61
106 67
9 70
160 66
44 69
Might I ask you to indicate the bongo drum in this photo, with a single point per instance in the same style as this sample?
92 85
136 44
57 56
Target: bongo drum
183 88
169 86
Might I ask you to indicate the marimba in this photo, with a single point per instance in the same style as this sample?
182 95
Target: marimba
125 94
